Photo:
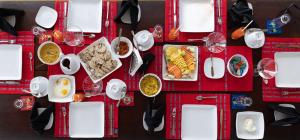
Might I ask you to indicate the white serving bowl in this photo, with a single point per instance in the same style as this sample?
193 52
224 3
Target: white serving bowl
244 59
159 81
39 50
258 123
114 44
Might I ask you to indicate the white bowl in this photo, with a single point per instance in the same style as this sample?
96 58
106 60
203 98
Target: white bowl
254 38
218 65
159 81
114 44
39 50
46 17
244 59
258 122
52 97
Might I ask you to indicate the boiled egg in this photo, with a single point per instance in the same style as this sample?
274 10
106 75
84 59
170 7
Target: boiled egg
62 87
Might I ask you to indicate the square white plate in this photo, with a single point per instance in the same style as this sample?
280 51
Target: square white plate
259 123
11 62
199 122
46 17
86 120
196 15
218 65
50 90
288 64
164 66
86 14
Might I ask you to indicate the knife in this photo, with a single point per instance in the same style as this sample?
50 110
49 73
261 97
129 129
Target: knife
174 12
9 83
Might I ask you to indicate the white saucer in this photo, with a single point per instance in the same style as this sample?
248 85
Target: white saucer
161 125
218 65
110 93
144 48
126 17
46 17
50 123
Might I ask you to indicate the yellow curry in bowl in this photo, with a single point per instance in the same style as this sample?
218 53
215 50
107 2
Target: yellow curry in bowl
150 85
49 53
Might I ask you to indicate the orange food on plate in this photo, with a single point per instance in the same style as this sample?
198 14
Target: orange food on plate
189 58
174 70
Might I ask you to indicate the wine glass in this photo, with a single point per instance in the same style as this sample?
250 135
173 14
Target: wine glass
267 69
73 36
215 42
92 89
158 30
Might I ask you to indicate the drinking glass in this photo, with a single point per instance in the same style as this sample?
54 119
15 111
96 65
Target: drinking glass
157 32
215 42
92 89
73 36
267 69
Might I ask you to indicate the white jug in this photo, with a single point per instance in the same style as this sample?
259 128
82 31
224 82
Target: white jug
70 64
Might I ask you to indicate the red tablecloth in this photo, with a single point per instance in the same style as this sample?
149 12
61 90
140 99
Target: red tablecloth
59 7
227 83
26 39
270 92
176 100
184 36
59 122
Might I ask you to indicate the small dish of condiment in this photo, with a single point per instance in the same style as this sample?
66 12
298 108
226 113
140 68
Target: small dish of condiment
124 49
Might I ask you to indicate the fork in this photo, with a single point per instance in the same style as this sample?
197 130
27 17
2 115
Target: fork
30 62
285 93
64 111
107 14
219 13
200 97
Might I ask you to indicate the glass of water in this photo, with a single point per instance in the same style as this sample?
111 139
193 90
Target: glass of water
73 36
267 69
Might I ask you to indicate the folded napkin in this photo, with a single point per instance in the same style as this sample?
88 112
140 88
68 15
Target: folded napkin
147 59
240 14
131 5
39 121
293 115
4 25
153 120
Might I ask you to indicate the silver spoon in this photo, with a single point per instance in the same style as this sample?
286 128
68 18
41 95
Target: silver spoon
200 98
90 35
138 46
123 93
33 93
10 41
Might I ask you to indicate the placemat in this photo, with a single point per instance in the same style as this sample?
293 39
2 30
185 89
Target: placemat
26 39
270 92
109 132
184 36
59 7
176 100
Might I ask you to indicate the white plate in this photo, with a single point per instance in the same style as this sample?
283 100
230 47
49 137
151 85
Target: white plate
50 90
196 15
86 14
288 64
164 66
259 123
218 65
46 17
199 122
86 120
114 57
11 62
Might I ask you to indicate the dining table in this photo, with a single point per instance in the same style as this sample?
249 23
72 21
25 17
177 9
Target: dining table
15 124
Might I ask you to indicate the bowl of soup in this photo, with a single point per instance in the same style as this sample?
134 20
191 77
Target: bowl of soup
150 85
49 53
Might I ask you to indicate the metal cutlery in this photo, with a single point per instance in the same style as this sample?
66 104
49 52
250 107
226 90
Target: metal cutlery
174 13
285 93
107 15
9 83
119 40
30 62
191 40
10 41
33 93
123 93
64 111
90 35
173 121
134 38
65 14
219 13
212 71
286 46
200 97
111 132
221 124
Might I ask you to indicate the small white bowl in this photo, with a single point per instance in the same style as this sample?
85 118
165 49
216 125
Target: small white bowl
46 17
42 45
159 81
114 44
244 59
258 123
